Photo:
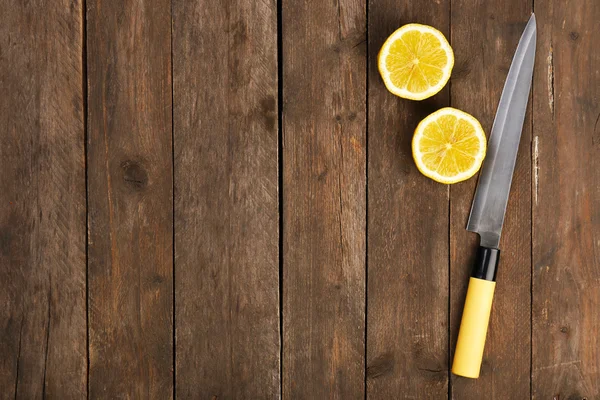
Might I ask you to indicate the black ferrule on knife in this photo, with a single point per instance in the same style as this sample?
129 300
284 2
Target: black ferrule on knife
486 263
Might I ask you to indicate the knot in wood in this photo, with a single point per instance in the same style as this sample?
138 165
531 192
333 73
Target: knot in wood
134 174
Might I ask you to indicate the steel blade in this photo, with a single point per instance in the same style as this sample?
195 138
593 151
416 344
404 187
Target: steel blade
491 196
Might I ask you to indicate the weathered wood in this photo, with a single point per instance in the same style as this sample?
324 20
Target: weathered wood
484 39
566 206
42 201
226 203
407 327
130 199
324 199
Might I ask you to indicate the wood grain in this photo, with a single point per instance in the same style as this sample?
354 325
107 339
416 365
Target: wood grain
226 202
42 201
183 203
484 39
130 199
566 208
324 199
407 327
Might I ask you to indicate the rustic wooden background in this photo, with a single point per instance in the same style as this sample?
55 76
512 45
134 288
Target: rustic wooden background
217 200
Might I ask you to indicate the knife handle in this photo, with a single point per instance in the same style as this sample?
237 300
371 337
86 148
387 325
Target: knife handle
476 314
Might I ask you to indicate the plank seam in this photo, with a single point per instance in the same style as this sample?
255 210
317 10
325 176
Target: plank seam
174 326
366 195
47 335
280 179
449 341
84 82
534 178
18 358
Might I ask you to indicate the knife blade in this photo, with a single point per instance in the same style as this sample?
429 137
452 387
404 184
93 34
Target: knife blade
491 195
489 204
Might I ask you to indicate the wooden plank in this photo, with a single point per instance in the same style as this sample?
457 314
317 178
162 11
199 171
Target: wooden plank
484 39
566 211
130 199
324 199
407 327
226 203
42 198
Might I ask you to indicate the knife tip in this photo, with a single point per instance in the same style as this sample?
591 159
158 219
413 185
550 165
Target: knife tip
532 20
531 27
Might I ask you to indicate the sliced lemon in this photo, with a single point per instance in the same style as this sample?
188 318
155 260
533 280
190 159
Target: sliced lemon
449 146
415 62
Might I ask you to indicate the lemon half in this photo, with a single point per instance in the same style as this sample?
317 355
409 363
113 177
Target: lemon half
415 62
449 146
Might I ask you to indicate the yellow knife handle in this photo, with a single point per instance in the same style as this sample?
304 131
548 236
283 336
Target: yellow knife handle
476 315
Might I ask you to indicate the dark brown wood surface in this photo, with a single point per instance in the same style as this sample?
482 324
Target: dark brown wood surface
407 328
43 349
226 199
566 205
256 227
324 199
130 214
484 39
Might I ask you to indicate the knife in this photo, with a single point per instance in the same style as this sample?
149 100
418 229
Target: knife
489 205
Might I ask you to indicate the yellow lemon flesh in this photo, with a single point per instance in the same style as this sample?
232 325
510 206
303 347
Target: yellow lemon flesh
449 146
415 62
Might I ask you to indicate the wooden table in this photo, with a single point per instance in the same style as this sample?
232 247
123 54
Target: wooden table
217 200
